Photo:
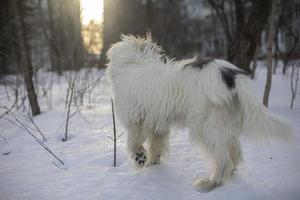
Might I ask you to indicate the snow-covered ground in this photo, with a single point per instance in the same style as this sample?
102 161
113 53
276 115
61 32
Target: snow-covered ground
27 171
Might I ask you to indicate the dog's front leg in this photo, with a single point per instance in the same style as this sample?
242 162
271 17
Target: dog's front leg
135 140
158 146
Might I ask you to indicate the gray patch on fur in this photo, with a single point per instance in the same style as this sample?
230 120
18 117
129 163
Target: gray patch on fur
199 63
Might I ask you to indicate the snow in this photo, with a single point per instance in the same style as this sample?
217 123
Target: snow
28 172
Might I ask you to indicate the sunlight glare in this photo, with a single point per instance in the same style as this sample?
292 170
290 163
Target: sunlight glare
92 10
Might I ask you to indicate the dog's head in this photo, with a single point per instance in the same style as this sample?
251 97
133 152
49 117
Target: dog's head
132 48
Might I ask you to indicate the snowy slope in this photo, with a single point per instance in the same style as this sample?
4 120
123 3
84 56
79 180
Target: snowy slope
28 172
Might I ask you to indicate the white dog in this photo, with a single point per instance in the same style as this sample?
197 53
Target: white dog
212 98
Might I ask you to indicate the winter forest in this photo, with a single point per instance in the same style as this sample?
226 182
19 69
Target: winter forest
60 136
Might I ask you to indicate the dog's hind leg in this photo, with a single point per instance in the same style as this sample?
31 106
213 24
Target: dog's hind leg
223 165
135 139
158 146
235 152
215 141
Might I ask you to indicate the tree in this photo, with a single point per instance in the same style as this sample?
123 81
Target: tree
26 56
225 16
55 54
294 83
62 30
247 28
248 37
5 32
120 17
163 18
286 26
270 55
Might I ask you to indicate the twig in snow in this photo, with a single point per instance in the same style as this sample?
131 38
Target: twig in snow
71 90
19 124
30 119
115 137
8 110
20 117
60 167
115 132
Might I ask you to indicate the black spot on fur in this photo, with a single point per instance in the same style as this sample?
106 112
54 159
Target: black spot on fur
199 62
228 76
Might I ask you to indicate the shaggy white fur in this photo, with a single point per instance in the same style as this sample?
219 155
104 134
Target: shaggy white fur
212 98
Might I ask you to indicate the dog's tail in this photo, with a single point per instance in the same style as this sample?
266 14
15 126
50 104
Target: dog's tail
257 121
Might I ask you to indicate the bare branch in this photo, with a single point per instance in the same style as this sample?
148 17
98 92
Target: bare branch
109 137
121 134
60 167
71 89
19 124
115 132
221 13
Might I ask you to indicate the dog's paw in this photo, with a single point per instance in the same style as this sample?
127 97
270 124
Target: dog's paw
233 170
205 185
153 160
140 159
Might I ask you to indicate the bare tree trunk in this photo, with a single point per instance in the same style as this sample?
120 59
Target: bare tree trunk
290 30
54 53
219 7
294 85
26 58
243 38
270 55
290 53
120 16
248 37
276 56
